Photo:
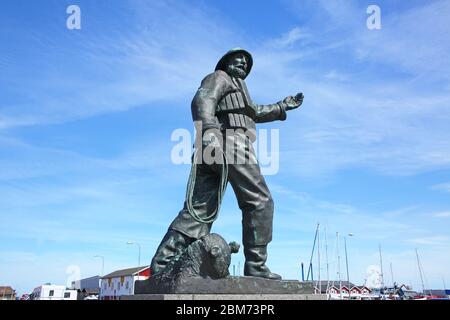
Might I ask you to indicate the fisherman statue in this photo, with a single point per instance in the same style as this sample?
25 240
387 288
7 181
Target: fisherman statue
225 118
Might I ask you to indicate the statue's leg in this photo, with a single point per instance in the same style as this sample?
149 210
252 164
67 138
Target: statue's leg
256 203
172 245
184 228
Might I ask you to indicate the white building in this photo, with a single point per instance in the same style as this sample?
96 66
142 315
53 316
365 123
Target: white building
121 282
53 292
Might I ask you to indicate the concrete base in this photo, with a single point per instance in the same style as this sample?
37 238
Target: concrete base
225 297
226 286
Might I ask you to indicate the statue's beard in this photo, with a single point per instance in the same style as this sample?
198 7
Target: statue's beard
236 72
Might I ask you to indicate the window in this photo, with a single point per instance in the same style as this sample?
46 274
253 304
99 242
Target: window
104 286
127 285
51 293
66 295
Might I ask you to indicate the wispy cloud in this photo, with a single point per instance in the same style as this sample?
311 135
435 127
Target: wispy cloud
399 44
442 187
51 161
431 241
149 57
444 214
401 212
378 121
290 38
301 211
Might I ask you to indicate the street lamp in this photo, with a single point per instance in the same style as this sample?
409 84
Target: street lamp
139 257
103 262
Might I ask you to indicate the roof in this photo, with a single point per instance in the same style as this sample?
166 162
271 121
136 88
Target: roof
89 278
362 287
6 290
331 284
125 272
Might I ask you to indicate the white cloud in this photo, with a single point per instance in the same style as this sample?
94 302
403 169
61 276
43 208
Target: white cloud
299 212
162 56
381 125
416 41
442 187
431 241
290 38
335 76
444 214
390 123
148 155
406 211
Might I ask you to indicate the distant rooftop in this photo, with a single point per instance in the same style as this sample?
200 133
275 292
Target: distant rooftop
125 272
4 290
334 283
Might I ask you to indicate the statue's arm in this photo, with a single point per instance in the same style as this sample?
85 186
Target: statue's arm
205 101
204 107
277 111
269 112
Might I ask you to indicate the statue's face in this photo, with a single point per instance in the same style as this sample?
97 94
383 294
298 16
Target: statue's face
237 65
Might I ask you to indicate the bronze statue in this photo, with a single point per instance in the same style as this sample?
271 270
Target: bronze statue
223 108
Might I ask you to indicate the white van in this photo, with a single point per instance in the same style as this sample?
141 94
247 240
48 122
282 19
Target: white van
53 292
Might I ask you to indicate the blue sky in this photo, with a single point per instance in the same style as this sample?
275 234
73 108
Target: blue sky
86 118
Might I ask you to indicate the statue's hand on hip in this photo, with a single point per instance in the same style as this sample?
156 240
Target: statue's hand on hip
291 102
212 139
212 150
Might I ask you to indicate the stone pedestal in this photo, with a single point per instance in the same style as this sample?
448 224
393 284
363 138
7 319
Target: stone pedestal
230 285
224 297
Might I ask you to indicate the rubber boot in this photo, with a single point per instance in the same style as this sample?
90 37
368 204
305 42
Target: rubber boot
172 245
255 263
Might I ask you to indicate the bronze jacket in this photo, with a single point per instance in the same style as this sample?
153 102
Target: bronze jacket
223 102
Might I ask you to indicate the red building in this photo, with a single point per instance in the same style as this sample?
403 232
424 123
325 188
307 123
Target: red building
360 290
333 287
121 282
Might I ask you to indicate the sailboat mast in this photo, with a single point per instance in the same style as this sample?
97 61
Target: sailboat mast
392 276
339 264
326 257
318 257
346 263
312 256
381 267
420 271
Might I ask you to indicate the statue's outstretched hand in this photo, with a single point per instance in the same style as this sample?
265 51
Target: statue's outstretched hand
293 102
